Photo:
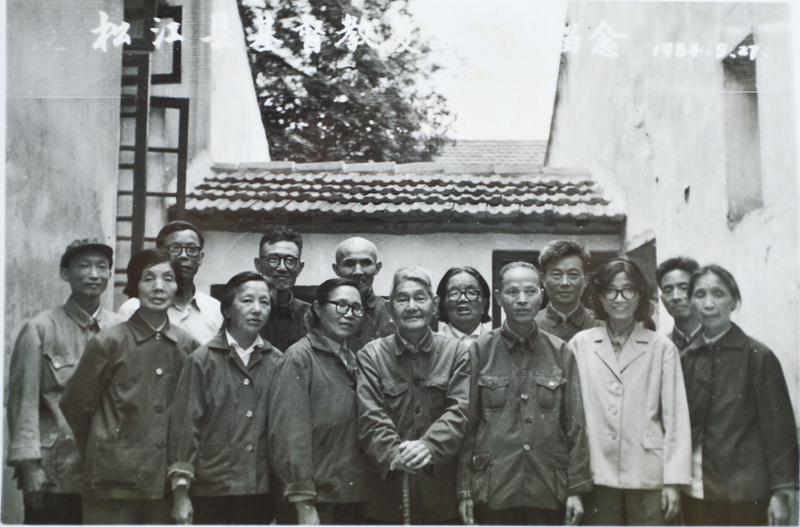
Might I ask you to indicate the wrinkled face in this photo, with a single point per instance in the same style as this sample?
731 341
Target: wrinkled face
280 261
185 251
250 308
87 274
565 281
360 265
620 299
336 325
675 294
413 307
157 287
714 303
520 295
464 301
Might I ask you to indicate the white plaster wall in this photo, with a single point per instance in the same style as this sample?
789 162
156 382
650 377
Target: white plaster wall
656 126
229 253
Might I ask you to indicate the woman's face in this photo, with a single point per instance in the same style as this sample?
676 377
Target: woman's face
714 303
464 302
250 308
157 287
337 325
620 298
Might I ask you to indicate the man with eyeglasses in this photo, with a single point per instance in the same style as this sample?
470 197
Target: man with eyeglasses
357 260
564 264
194 311
279 259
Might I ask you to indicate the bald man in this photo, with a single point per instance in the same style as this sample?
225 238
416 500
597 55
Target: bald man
357 260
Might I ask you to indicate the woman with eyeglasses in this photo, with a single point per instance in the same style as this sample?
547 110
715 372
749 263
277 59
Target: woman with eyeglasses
463 303
313 415
637 418
745 460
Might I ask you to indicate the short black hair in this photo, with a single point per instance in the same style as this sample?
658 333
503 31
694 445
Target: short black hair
323 294
281 233
683 263
141 261
441 291
229 291
176 226
721 273
558 249
605 275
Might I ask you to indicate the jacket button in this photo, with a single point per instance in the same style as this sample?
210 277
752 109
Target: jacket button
417 410
528 420
526 447
249 413
246 382
249 447
551 383
158 336
524 396
159 372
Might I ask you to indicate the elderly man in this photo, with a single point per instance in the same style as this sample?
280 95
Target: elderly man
41 445
672 277
525 459
357 260
280 260
192 310
564 264
413 394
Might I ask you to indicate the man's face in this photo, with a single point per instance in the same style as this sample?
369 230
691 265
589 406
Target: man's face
520 295
280 262
675 294
565 281
185 251
87 274
413 307
359 265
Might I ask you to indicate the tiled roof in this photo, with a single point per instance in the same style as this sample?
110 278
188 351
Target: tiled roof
455 197
471 151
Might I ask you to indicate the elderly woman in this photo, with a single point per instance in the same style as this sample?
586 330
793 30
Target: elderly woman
218 420
313 415
463 303
743 428
117 400
637 419
413 393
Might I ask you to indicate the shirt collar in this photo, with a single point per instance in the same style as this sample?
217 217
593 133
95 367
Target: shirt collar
457 333
717 338
258 343
404 346
620 339
577 316
687 338
511 337
143 331
81 317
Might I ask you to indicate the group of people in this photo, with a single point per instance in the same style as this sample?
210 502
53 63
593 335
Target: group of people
353 409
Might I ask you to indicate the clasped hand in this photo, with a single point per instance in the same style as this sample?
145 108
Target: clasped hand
411 457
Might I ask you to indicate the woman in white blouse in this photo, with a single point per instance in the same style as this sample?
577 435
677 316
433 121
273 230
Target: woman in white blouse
463 303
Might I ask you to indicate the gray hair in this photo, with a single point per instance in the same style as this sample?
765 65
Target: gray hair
415 274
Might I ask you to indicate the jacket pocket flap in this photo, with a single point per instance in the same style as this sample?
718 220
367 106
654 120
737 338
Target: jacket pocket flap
59 361
395 388
479 461
550 382
494 382
48 440
437 382
653 441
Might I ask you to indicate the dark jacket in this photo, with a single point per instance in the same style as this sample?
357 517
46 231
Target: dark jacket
45 354
742 416
550 321
411 394
313 424
376 323
117 403
526 445
287 324
218 420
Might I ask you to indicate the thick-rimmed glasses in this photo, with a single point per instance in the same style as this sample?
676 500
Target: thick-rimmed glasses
470 294
190 250
343 307
289 262
628 293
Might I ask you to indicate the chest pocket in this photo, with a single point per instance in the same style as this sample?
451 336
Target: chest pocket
547 390
493 391
436 390
393 395
61 366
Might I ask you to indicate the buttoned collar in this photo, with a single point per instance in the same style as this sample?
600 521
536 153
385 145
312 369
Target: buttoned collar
683 337
191 303
713 340
81 317
512 338
404 346
577 316
143 331
328 345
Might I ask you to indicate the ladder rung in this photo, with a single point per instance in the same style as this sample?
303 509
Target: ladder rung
164 149
128 148
128 166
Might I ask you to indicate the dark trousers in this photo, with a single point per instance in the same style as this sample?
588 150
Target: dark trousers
58 509
226 510
519 516
703 512
610 506
340 513
120 512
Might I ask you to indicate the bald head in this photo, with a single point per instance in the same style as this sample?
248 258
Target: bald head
357 259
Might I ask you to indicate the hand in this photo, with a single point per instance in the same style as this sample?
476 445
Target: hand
670 501
182 512
33 481
413 455
465 510
574 510
306 513
778 510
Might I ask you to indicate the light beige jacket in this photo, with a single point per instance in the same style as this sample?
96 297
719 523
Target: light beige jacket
637 417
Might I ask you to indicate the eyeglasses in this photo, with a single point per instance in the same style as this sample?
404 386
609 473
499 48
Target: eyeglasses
289 262
470 294
343 307
628 293
190 250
